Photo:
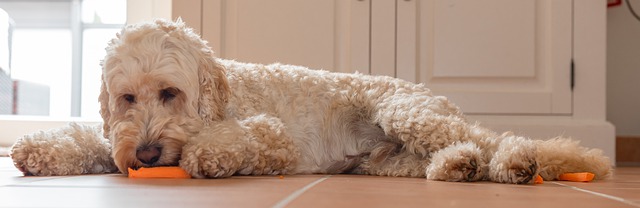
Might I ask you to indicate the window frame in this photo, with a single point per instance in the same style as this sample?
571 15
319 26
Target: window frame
77 27
13 127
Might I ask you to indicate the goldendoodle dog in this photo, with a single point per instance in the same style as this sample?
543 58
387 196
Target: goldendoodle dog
167 101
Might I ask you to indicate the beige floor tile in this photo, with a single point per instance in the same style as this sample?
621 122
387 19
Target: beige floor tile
172 196
365 191
625 184
115 190
16 179
13 176
118 180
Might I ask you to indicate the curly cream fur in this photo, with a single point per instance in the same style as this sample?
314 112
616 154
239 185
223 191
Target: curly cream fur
71 150
162 87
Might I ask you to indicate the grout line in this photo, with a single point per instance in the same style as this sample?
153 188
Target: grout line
282 203
615 198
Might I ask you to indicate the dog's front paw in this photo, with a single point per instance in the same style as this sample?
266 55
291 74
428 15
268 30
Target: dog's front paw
210 162
458 162
31 161
217 152
71 150
514 162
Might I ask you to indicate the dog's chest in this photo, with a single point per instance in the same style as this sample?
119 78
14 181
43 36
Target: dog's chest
311 108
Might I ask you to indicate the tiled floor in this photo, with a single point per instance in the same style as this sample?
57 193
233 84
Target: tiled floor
623 190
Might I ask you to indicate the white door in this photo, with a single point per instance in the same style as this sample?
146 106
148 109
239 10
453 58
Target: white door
320 34
493 56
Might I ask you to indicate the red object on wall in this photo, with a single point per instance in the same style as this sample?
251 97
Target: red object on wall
611 3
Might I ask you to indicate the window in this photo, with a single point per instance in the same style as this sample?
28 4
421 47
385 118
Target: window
51 52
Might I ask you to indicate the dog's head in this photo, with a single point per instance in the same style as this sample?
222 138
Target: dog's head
160 86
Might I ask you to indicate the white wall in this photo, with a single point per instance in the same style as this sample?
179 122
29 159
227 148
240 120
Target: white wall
623 69
146 10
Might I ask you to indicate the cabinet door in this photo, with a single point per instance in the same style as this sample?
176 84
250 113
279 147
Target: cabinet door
496 56
320 34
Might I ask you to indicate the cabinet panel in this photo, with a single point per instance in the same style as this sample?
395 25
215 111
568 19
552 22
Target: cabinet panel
497 56
320 34
489 38
287 31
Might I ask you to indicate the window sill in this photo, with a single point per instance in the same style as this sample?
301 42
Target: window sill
14 127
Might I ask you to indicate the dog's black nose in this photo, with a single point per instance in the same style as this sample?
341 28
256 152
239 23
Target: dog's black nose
148 155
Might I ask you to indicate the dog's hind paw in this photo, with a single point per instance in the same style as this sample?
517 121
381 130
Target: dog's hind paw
514 162
458 162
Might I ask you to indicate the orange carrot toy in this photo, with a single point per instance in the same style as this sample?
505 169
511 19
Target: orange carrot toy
159 172
577 177
538 180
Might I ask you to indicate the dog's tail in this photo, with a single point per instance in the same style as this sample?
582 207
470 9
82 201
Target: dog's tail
563 155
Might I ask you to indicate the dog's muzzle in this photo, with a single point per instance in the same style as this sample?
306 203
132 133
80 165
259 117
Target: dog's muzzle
149 154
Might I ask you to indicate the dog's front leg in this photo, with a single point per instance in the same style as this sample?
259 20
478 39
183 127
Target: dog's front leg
71 150
254 146
217 151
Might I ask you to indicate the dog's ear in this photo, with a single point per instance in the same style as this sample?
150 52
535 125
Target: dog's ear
104 109
214 89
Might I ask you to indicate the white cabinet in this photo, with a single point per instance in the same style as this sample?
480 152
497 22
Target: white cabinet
507 63
489 57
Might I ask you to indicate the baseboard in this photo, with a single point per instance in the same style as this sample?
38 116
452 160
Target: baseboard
591 133
627 151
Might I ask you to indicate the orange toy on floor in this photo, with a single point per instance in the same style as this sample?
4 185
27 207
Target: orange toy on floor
577 177
539 180
159 172
574 177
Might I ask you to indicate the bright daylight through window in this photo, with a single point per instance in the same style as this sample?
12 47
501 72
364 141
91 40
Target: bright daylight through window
50 52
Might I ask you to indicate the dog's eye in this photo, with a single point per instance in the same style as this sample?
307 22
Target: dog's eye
129 98
168 94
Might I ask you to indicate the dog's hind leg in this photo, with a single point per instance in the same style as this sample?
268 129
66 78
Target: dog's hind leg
435 130
403 164
462 161
518 159
562 155
514 161
424 124
458 162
